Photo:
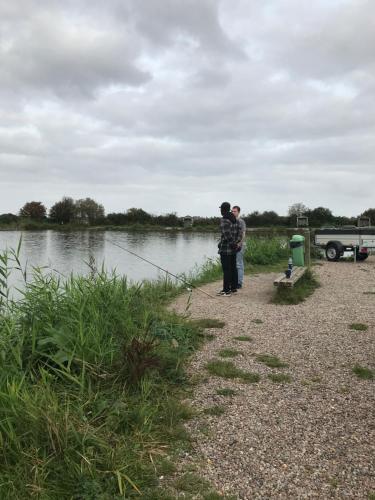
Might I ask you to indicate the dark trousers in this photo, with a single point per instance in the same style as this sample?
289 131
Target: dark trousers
230 279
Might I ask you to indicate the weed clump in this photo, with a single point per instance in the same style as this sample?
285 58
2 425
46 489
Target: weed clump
208 323
227 369
226 392
363 372
214 411
279 378
243 338
229 353
359 327
271 361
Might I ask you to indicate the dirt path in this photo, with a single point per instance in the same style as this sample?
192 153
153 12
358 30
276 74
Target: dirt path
313 437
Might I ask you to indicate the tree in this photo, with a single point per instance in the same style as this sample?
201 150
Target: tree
138 216
319 216
269 218
117 219
168 220
34 210
63 211
8 218
370 212
297 209
88 211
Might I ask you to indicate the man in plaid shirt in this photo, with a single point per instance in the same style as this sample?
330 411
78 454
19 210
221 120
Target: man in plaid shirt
231 236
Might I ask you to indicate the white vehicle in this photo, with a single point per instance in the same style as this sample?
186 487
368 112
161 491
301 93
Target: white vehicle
336 241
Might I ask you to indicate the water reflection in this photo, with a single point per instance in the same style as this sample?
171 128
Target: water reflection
69 252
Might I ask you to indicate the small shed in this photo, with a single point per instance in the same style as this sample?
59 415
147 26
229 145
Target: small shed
364 222
188 221
302 221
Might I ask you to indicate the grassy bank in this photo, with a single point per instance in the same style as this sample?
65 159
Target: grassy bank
91 381
88 388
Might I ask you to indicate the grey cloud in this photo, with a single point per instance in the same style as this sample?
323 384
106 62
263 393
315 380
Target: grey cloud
52 54
154 104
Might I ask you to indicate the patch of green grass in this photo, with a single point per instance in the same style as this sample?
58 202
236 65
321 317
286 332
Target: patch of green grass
165 467
228 353
209 336
304 287
257 321
250 378
243 338
155 494
192 483
226 392
363 372
227 369
271 361
214 411
208 323
279 378
213 495
359 327
371 496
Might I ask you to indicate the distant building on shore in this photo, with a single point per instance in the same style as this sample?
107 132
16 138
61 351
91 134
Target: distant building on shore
188 221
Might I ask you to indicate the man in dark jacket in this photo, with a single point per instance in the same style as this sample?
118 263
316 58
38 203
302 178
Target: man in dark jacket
231 236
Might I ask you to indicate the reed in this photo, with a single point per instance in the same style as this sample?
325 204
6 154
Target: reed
88 370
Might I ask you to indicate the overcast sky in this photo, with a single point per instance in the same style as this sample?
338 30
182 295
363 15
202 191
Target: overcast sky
178 105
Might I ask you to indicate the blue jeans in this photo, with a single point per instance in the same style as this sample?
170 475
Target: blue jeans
240 264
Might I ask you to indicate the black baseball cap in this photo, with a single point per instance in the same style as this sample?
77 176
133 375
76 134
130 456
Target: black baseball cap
225 206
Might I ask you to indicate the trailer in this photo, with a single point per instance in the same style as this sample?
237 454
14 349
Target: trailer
335 241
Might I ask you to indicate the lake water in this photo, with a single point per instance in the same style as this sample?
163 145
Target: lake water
67 252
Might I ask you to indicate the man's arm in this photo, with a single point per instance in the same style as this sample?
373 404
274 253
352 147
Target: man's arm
243 228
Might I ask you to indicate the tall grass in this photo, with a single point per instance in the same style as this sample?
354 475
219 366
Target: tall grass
86 371
266 251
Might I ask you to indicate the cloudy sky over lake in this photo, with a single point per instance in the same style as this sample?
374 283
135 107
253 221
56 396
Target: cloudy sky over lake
177 105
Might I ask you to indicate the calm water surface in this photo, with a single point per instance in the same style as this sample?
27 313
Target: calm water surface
67 252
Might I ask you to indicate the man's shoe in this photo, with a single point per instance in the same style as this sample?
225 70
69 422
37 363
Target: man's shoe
239 286
224 294
234 291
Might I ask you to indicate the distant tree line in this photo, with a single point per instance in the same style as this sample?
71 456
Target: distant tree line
88 212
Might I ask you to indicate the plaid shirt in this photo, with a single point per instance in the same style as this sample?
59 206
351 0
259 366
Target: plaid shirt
231 234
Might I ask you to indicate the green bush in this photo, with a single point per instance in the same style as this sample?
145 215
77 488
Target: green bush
266 251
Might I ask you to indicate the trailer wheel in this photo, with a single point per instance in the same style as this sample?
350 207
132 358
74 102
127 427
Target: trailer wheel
360 255
333 252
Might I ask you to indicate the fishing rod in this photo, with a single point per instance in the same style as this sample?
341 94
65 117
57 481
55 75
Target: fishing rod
160 268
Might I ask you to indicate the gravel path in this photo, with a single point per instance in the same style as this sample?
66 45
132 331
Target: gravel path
313 437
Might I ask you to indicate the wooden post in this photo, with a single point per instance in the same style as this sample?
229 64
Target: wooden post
308 248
